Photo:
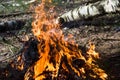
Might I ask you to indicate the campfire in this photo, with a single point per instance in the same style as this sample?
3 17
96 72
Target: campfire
52 56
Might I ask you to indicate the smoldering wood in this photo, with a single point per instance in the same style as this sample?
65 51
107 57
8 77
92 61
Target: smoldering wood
90 10
11 25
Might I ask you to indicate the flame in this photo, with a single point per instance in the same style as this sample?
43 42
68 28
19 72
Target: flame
92 56
58 51
92 51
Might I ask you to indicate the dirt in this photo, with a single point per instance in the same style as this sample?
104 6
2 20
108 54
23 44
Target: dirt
106 38
107 41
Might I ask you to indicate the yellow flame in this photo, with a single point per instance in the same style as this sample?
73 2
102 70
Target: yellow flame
53 47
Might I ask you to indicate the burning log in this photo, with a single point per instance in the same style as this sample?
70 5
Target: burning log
90 10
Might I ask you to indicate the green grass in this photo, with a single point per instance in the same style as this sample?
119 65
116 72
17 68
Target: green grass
6 8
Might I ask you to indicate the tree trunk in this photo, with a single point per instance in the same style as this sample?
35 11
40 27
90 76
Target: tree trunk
90 10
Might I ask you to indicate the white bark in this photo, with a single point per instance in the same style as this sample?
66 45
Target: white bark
90 10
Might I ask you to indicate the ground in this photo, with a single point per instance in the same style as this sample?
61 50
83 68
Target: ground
105 37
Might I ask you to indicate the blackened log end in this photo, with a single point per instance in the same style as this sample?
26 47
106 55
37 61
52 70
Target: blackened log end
79 62
61 20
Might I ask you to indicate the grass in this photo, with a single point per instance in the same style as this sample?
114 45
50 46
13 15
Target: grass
9 7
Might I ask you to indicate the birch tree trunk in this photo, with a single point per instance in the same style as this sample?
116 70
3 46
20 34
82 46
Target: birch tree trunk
90 10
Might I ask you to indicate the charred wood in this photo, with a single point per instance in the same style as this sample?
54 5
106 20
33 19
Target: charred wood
21 62
29 54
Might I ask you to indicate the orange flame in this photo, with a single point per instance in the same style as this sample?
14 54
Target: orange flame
53 48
